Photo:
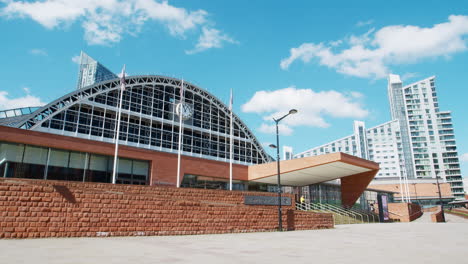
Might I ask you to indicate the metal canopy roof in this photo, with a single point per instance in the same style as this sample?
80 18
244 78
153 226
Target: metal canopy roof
311 170
317 174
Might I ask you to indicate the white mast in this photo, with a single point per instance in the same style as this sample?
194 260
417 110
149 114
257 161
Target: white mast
179 107
117 133
230 142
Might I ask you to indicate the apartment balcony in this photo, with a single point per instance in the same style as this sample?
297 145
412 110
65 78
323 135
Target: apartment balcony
458 191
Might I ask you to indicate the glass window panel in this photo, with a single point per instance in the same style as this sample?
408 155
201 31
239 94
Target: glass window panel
11 152
10 113
125 166
98 163
140 168
77 160
35 155
59 158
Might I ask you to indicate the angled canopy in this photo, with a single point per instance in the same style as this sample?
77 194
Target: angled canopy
355 173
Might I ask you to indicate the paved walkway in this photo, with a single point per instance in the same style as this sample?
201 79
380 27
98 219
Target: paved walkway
365 243
449 218
424 218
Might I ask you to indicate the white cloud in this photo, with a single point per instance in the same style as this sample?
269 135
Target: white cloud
356 95
370 55
271 129
105 22
409 75
210 38
364 23
312 107
27 100
464 157
336 43
76 59
39 52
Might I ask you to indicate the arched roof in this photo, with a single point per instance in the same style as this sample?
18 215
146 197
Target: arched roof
86 94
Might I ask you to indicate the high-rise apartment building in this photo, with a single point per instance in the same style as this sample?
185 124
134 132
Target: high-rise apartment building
91 72
287 153
419 143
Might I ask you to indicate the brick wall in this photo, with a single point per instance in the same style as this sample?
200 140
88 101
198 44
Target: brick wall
38 208
417 190
402 212
437 217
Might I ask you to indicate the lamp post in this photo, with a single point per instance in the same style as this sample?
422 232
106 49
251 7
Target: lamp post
440 199
280 220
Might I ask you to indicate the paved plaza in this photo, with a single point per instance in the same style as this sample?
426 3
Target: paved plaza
365 243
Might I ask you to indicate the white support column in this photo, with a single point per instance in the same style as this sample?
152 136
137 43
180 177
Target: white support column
180 132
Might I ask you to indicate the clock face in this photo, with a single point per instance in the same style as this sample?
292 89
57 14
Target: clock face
185 111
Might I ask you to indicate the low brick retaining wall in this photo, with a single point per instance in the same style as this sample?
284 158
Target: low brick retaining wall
402 212
38 208
436 217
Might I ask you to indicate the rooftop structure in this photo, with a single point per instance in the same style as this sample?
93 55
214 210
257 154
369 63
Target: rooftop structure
91 72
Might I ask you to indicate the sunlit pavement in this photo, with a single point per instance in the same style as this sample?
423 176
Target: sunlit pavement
364 243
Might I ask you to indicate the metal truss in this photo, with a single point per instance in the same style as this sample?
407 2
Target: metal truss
86 95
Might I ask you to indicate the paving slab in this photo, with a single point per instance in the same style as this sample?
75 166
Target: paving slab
360 243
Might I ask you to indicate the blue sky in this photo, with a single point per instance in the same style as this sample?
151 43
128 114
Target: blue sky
328 59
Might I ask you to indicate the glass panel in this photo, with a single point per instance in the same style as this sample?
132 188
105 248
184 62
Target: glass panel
98 163
77 160
125 166
35 155
11 152
10 113
140 168
59 158
98 171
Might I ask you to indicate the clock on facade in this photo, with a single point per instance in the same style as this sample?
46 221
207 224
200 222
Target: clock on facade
185 111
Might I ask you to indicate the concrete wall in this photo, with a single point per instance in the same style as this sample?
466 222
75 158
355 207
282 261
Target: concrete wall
38 208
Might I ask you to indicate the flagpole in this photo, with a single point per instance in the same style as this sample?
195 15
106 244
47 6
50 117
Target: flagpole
122 88
180 131
230 143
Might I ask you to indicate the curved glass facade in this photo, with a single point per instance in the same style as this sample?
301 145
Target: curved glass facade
150 119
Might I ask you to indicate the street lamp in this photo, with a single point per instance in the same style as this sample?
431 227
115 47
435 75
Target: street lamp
440 200
280 220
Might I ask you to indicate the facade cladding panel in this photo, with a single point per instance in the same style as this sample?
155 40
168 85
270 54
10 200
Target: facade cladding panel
150 120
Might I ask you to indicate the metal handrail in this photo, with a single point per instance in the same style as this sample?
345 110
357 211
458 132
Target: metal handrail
347 211
357 214
366 213
341 214
338 211
317 207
